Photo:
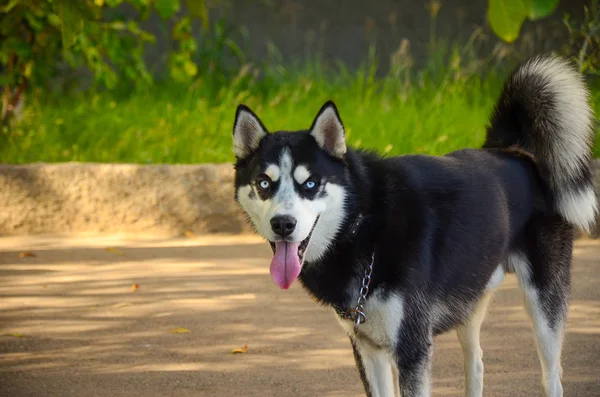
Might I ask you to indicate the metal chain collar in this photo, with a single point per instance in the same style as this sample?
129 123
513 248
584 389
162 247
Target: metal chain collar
357 314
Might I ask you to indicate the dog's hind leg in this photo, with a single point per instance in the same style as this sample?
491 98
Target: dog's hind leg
376 369
468 336
545 279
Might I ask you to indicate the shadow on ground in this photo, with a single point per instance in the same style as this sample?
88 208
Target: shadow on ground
71 325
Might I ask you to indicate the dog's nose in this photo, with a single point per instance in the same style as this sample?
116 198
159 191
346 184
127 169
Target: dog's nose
283 225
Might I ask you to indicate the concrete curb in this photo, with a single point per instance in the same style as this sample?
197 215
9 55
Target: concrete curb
126 198
118 198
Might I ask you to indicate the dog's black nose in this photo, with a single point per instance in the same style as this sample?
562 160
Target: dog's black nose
283 225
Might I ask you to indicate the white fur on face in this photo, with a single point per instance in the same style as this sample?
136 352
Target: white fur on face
273 172
301 174
329 223
328 205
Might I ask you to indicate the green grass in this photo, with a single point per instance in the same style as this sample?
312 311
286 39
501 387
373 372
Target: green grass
432 113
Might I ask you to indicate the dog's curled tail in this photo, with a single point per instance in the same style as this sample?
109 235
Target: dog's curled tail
544 109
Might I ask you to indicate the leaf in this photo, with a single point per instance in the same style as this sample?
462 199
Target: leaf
53 20
34 22
28 67
506 17
115 251
199 10
541 8
166 8
180 330
190 68
118 25
10 6
87 10
135 287
26 254
182 29
16 335
243 349
71 22
133 27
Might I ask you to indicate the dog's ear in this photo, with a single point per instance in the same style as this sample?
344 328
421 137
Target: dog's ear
248 131
328 131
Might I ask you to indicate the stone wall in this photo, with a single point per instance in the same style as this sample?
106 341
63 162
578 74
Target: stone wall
115 198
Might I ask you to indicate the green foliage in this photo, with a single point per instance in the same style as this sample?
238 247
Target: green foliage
585 39
167 8
507 16
541 8
439 108
70 19
39 37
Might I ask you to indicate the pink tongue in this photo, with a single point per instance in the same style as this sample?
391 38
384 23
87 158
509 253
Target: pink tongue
285 266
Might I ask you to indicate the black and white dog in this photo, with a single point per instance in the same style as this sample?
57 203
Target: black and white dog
429 238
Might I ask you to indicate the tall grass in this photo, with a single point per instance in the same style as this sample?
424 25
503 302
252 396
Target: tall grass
438 108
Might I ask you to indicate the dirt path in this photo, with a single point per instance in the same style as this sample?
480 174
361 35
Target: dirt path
86 333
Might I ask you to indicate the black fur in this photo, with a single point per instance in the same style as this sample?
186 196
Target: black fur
440 226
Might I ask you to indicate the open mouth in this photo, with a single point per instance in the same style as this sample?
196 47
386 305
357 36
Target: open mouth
288 258
303 244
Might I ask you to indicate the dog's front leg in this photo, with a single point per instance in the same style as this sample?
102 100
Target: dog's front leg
414 354
376 368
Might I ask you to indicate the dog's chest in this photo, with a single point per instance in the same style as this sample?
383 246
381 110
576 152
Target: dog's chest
384 318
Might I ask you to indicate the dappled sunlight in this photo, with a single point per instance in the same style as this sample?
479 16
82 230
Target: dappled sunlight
196 300
82 241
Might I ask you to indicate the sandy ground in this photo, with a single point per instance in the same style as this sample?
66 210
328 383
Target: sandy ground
71 325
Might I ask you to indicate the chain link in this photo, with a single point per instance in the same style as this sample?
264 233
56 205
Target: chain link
357 314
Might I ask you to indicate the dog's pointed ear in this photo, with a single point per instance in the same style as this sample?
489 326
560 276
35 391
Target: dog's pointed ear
248 131
328 131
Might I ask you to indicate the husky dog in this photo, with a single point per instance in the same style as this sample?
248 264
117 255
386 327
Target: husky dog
406 248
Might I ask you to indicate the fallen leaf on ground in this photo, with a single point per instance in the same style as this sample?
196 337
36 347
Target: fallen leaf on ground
135 287
115 251
189 234
162 314
26 254
242 349
118 305
16 335
180 330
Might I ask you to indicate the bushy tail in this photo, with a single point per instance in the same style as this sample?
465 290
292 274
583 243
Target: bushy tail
544 109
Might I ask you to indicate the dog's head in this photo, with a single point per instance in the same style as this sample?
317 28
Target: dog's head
293 186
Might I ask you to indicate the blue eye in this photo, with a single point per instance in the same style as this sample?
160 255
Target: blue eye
264 184
310 184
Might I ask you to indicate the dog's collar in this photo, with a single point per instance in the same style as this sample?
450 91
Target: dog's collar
357 313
